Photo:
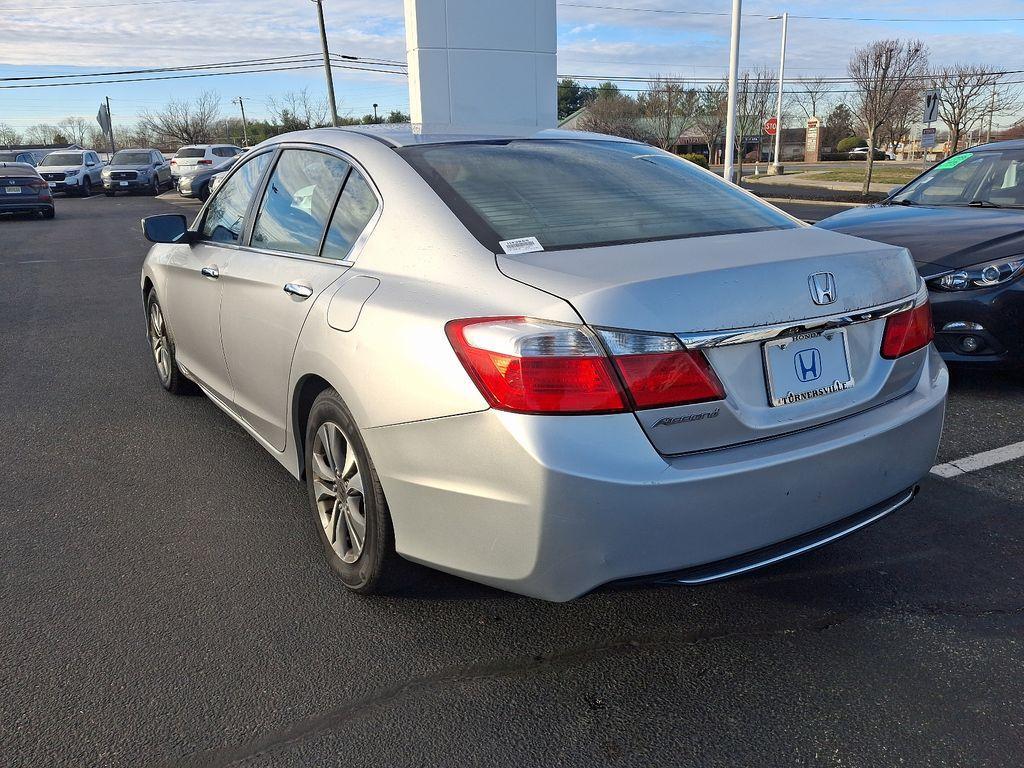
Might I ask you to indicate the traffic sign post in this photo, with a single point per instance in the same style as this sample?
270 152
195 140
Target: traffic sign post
931 114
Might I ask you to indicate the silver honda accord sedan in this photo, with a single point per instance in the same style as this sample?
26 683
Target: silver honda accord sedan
546 360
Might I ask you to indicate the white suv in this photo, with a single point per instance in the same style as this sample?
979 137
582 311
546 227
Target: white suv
195 157
72 171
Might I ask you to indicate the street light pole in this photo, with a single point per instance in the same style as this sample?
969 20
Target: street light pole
375 114
327 62
734 65
245 125
776 168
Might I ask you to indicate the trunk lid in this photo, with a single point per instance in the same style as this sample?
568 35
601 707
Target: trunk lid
741 281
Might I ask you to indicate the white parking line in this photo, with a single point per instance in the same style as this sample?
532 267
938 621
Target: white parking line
980 460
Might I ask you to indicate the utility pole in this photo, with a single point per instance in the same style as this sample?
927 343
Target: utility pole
245 125
327 62
991 113
110 125
734 65
775 167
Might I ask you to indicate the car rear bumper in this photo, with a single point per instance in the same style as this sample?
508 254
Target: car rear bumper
34 206
999 312
555 506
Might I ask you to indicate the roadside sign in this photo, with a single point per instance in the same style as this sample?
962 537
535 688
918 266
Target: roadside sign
931 106
771 126
928 138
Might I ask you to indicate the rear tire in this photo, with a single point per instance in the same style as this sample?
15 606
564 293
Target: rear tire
161 344
49 213
348 502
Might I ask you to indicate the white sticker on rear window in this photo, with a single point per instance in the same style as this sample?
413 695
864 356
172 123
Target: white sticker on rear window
521 245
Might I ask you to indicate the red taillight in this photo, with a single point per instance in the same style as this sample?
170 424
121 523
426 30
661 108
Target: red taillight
530 366
205 162
908 331
534 366
669 378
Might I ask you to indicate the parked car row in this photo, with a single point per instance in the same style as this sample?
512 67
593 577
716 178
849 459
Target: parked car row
36 175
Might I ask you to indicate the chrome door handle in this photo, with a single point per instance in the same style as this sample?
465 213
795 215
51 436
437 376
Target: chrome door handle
211 272
298 291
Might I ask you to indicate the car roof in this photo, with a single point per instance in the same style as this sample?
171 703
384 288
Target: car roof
408 134
997 145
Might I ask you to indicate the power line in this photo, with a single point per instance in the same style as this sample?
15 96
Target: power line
95 5
216 65
792 15
201 74
790 81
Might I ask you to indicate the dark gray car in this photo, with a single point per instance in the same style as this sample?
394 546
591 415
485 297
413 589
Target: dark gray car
131 170
198 184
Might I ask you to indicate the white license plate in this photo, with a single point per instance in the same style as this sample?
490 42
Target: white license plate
53 184
124 183
13 190
807 366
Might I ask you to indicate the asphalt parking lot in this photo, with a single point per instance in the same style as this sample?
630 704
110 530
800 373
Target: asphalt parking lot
165 601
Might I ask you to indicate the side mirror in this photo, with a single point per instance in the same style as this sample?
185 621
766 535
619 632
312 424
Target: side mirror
90 164
168 228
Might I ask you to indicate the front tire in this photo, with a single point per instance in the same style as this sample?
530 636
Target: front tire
154 186
204 192
348 502
161 344
86 188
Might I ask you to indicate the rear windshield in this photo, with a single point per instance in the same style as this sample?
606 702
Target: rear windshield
191 152
574 193
131 158
61 158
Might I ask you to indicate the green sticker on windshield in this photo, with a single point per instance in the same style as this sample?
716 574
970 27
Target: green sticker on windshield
954 161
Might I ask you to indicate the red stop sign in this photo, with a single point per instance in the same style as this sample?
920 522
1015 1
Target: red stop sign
771 126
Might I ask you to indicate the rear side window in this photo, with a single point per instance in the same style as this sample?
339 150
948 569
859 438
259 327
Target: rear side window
191 152
355 209
225 216
298 202
573 193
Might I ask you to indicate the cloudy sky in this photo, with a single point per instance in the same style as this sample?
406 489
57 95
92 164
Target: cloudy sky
88 36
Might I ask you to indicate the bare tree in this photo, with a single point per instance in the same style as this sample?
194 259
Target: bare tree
968 95
905 113
668 106
299 110
613 113
42 133
710 115
811 94
75 129
184 122
755 94
881 73
8 136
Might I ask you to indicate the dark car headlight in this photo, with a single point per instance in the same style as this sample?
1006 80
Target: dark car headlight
980 276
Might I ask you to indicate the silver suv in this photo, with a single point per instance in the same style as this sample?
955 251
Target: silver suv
73 172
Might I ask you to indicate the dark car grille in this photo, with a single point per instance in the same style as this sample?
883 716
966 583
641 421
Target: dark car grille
124 175
53 176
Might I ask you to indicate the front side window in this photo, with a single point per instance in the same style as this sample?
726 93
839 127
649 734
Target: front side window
355 209
992 178
225 216
574 193
298 202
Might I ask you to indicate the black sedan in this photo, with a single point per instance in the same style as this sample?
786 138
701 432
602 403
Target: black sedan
22 190
963 222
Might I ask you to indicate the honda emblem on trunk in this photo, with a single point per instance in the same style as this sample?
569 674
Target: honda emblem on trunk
823 287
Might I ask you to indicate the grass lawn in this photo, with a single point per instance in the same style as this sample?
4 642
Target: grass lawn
880 174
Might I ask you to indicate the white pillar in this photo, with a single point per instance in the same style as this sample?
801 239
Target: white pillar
734 65
482 61
778 104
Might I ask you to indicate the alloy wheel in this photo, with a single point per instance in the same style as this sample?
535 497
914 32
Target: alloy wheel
159 342
338 491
